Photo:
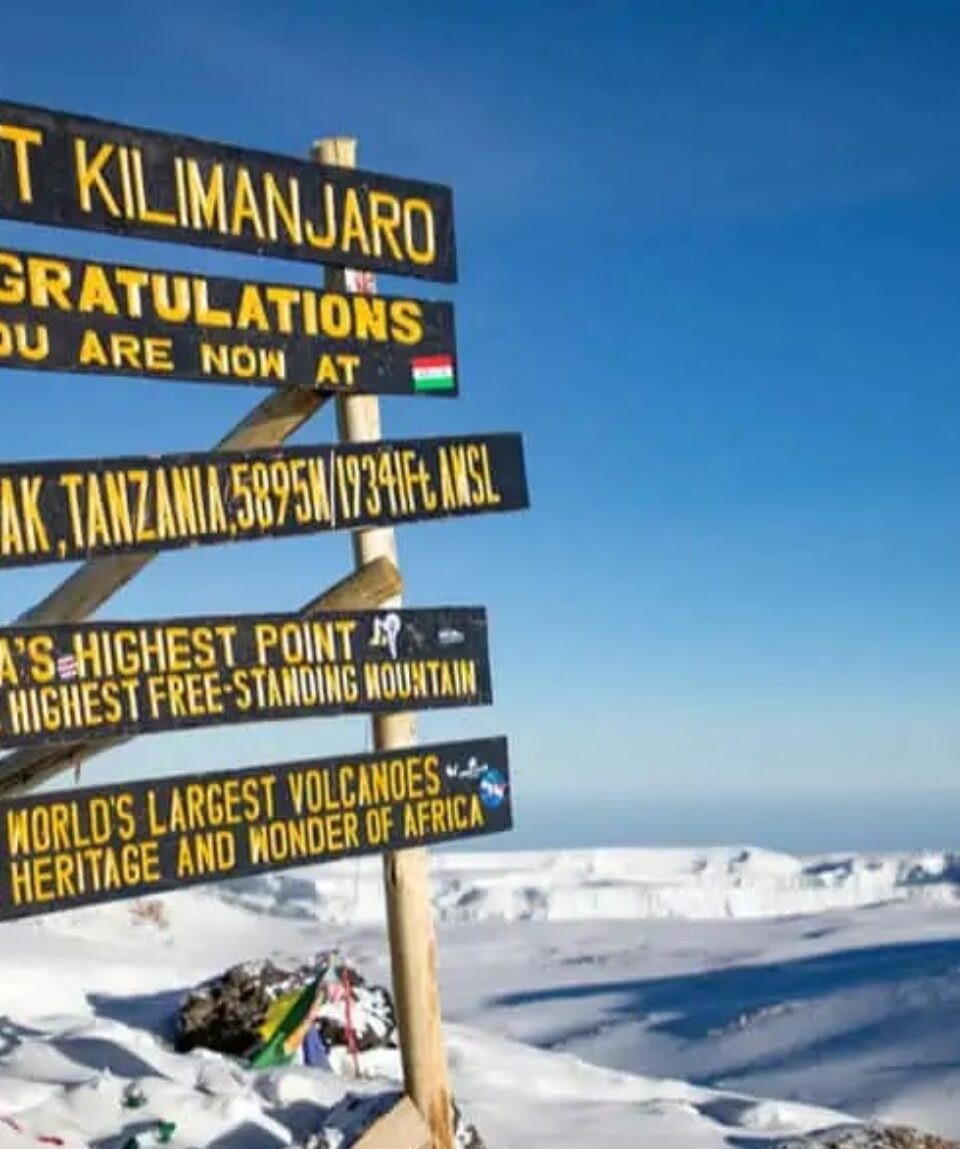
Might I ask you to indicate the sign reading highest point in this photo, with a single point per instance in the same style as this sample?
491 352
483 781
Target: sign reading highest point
81 680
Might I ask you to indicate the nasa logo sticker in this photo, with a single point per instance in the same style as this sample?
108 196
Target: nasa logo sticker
493 788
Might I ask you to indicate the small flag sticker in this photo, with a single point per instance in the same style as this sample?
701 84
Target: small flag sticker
66 667
360 282
433 373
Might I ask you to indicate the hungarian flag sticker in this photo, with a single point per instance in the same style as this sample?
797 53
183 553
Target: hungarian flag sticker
433 373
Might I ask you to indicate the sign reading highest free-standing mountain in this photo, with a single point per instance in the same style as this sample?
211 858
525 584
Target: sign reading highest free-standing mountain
71 171
96 680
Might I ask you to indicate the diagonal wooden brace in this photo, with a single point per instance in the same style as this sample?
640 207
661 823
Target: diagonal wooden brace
365 589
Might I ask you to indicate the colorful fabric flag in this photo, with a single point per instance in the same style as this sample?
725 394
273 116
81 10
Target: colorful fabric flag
283 1027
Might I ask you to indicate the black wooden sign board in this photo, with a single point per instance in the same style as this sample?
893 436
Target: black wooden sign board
83 846
87 317
65 510
64 170
84 680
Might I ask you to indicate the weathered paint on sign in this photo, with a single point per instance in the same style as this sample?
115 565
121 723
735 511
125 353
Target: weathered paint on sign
65 510
88 845
88 317
97 680
63 170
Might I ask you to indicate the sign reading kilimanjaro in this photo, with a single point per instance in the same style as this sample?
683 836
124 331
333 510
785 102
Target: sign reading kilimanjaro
77 172
96 680
89 845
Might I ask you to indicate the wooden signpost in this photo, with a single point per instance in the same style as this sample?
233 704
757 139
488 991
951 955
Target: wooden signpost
70 688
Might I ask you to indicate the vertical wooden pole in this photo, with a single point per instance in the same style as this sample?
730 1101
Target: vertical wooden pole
410 926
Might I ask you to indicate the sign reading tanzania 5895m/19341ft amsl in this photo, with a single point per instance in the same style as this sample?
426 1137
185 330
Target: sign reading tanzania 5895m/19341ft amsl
84 316
88 845
71 171
61 511
97 680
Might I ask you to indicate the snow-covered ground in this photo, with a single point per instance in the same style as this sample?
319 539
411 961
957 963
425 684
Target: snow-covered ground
581 991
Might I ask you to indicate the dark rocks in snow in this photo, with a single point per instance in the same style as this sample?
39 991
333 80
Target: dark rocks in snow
225 1013
870 1137
350 1119
465 1134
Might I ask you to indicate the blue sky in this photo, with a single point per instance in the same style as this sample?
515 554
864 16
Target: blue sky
708 266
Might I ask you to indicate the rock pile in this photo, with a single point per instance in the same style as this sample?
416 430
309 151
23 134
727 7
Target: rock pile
871 1137
225 1014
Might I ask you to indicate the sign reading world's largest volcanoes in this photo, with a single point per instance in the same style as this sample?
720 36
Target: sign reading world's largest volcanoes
83 846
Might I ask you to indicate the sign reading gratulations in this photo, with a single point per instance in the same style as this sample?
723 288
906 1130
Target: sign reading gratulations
82 316
71 171
96 680
68 510
64 850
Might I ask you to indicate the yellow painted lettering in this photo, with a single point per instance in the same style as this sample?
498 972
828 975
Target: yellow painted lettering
133 281
354 231
207 202
13 285
386 223
22 139
144 211
158 353
177 309
96 293
49 280
326 370
251 312
287 210
92 350
245 206
424 251
90 176
406 321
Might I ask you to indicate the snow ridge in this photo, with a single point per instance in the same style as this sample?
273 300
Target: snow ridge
612 884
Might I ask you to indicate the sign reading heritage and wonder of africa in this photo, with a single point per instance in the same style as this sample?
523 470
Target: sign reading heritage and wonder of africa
82 846
59 511
72 171
85 316
114 678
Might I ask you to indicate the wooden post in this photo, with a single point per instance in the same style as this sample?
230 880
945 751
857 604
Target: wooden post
402 1127
413 947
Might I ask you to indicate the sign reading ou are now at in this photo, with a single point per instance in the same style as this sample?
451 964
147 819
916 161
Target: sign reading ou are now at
72 171
62 511
98 680
90 317
76 848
